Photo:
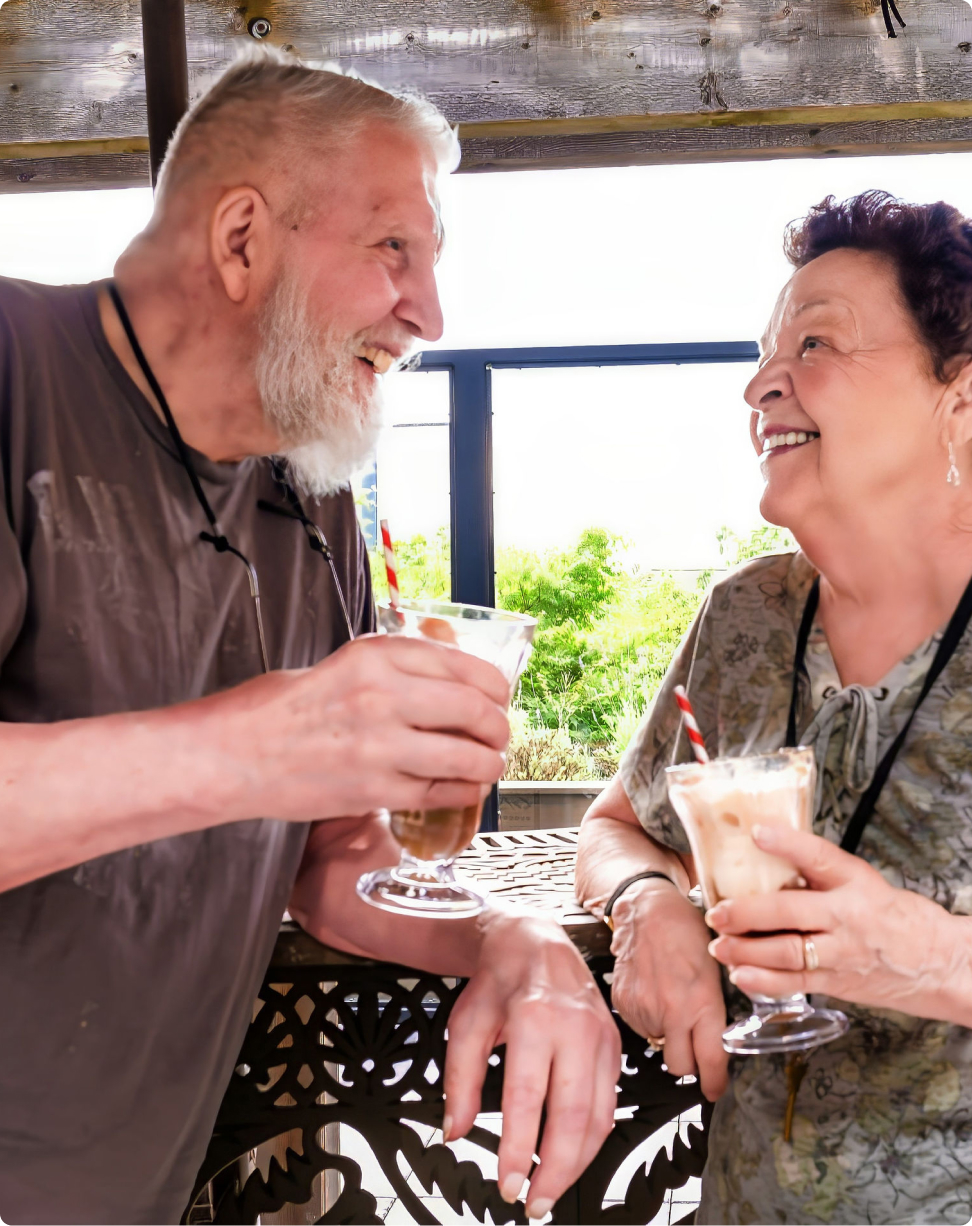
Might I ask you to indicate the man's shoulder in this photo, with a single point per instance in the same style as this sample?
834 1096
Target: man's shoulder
31 309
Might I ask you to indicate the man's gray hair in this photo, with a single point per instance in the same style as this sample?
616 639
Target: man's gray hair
271 110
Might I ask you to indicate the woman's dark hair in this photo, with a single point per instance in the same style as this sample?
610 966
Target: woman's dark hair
931 246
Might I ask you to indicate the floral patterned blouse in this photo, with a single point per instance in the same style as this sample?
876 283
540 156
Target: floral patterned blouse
883 1123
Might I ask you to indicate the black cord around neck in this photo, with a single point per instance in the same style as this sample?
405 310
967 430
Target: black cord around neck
216 538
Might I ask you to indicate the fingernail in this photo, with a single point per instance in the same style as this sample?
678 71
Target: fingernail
764 834
712 946
511 1189
713 915
539 1208
446 1127
733 976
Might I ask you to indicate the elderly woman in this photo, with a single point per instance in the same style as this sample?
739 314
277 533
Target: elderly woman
862 418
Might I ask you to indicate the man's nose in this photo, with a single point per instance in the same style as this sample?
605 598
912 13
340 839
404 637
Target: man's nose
419 307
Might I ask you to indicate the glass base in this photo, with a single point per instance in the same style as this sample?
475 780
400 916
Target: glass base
783 1025
414 888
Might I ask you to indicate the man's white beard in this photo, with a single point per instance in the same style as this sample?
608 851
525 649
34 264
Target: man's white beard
312 395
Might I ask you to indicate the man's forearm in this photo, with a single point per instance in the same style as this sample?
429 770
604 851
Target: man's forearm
325 904
83 788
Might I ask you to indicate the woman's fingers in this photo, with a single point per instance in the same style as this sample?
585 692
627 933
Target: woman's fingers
711 1058
802 910
679 1054
756 980
784 952
823 864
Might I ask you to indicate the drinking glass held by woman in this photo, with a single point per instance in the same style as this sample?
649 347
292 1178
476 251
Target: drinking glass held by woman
862 420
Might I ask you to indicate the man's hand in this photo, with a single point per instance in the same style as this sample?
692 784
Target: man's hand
877 945
384 722
532 991
666 984
528 988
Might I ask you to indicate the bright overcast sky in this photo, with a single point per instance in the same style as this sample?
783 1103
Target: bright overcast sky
641 254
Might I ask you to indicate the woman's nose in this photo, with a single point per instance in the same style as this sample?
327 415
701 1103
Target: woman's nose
771 382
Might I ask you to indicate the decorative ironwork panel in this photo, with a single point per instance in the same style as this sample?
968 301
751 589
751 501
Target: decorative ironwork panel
365 1047
340 1040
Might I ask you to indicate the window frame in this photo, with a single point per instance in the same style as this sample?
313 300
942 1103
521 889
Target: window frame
471 432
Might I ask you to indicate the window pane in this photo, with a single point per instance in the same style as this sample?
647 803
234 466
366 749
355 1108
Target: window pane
412 481
617 491
659 455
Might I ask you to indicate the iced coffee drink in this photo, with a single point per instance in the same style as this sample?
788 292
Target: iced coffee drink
423 882
719 804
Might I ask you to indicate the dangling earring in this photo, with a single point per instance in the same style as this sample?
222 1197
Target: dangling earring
954 477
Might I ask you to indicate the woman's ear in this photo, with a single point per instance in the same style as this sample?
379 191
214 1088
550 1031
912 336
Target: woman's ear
239 241
958 405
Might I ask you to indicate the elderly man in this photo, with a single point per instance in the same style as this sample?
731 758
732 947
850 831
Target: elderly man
184 751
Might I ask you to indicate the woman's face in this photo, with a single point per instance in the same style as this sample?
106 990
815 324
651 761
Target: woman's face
846 409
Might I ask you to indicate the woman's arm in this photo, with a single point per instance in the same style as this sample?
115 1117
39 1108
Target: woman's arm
665 983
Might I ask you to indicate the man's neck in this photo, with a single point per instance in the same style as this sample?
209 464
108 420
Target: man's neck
206 376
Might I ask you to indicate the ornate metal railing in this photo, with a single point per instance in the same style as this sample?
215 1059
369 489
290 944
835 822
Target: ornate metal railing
339 1040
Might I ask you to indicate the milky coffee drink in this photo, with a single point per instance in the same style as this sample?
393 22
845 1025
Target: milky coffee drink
720 803
436 834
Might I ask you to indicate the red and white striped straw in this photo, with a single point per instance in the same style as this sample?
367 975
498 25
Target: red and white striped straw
691 725
391 566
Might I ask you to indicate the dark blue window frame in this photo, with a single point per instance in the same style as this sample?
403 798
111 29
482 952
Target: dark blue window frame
471 443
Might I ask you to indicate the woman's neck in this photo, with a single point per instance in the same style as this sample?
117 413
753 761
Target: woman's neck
889 580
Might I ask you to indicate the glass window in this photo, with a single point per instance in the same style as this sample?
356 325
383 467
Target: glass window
618 491
410 483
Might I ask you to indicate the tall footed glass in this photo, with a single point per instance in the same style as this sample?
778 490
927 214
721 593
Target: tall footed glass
423 882
719 803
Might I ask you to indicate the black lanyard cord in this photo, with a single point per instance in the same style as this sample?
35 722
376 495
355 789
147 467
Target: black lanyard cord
216 538
954 632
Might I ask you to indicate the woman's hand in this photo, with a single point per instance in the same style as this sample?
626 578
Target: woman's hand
876 945
532 991
665 983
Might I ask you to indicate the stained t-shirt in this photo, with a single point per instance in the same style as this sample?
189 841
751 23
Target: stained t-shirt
126 983
882 1129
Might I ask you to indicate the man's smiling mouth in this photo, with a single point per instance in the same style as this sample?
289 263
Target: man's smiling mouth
380 360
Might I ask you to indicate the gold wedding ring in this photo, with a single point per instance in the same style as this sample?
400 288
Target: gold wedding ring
655 1042
810 959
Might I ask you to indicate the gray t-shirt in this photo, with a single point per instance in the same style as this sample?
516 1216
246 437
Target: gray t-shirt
126 984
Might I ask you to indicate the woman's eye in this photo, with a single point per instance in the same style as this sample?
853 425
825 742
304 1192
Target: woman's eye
395 244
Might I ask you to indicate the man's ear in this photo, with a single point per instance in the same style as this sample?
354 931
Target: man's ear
959 404
239 240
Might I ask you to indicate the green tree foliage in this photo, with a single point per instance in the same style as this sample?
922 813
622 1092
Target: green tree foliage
605 636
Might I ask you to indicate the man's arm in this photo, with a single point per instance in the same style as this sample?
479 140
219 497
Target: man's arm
529 989
369 726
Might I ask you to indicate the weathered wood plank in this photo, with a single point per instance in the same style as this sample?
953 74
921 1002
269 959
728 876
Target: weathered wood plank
72 68
625 80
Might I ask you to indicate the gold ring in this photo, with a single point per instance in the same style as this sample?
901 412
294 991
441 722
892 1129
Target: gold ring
810 959
655 1041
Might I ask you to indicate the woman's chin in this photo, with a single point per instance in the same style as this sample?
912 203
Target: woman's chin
781 508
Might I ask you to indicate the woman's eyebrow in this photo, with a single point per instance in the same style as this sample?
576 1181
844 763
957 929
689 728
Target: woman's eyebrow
820 302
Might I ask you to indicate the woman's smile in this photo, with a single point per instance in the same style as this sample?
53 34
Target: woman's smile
780 439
